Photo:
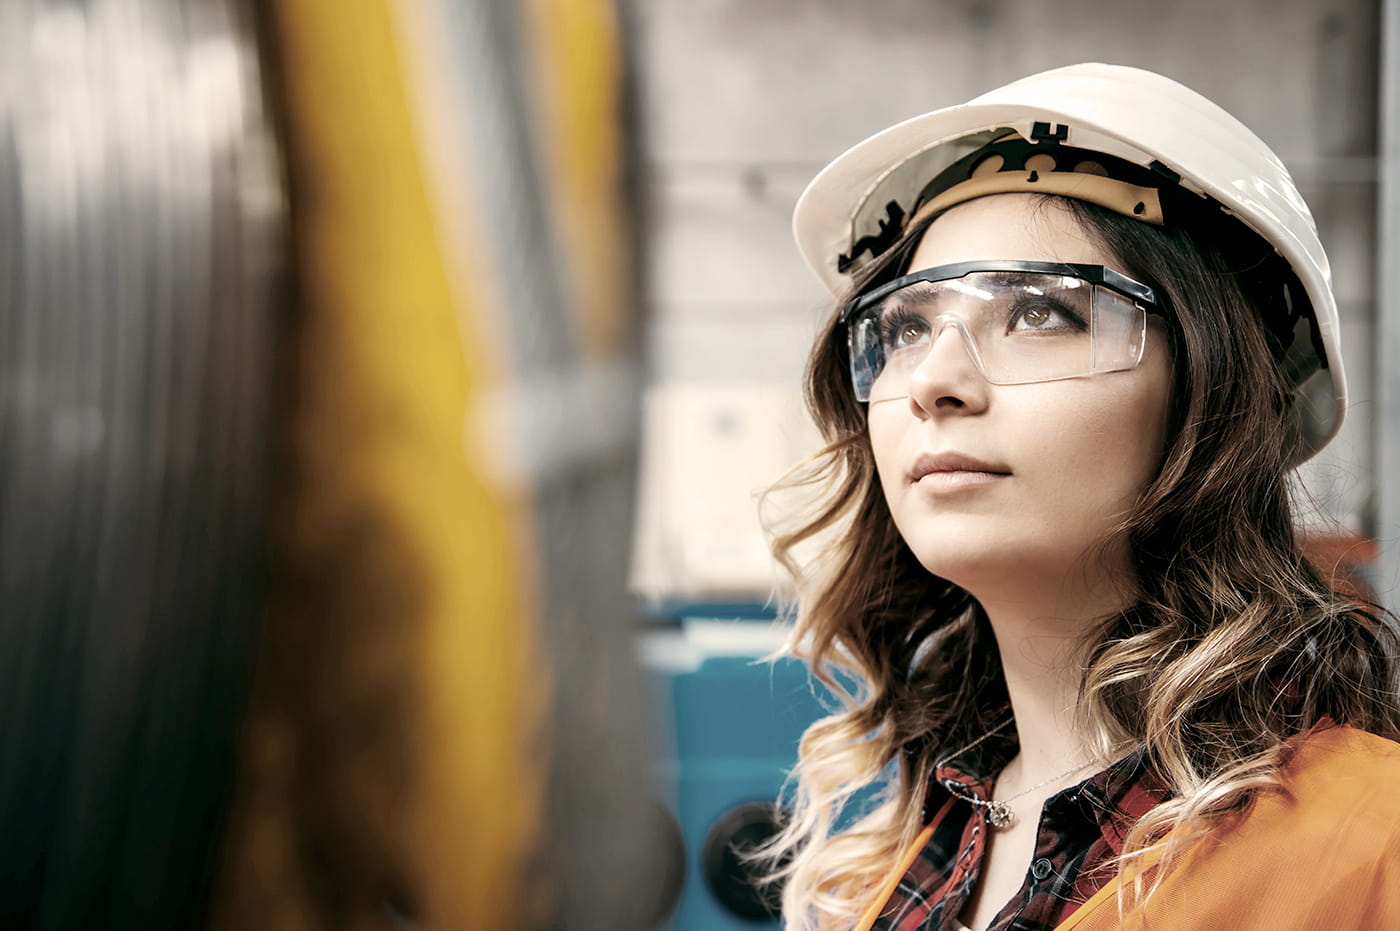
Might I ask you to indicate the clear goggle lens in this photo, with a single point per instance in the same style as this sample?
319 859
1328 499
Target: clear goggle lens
1021 322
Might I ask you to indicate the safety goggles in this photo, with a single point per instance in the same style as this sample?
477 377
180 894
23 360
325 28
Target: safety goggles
1021 323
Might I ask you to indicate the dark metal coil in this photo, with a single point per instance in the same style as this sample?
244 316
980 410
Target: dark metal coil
140 225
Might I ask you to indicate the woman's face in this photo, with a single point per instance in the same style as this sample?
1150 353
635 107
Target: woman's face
1064 461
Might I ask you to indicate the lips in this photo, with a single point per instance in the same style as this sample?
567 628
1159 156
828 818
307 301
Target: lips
947 464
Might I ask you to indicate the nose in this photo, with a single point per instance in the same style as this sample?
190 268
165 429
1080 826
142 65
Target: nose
947 380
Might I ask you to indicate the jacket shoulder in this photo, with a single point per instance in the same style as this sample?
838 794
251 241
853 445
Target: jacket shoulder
1319 850
1339 779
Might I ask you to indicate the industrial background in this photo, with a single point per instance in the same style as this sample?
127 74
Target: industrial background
386 391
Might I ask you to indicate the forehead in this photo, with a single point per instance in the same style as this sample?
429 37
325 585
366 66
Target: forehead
1008 226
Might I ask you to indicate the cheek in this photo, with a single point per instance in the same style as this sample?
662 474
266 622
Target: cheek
1110 441
1142 431
884 437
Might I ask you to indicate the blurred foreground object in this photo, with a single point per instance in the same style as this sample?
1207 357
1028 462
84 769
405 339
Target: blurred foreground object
402 481
445 730
140 229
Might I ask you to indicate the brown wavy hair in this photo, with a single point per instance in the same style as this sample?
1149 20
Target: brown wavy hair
1235 642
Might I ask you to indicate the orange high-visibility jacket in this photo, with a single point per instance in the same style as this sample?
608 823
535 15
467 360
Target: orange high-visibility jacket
1320 852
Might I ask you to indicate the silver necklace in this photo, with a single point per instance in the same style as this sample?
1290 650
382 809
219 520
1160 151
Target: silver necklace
999 813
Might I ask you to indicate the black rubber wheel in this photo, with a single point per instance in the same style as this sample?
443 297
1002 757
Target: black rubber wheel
732 881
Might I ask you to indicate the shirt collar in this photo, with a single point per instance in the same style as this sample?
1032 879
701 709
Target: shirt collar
1114 798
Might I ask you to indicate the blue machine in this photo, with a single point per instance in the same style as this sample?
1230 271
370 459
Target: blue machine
730 722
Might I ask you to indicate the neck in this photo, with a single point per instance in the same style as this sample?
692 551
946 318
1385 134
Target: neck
1042 643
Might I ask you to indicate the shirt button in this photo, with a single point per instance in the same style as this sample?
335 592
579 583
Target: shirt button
1041 868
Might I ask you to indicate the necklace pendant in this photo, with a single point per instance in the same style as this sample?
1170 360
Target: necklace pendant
1000 814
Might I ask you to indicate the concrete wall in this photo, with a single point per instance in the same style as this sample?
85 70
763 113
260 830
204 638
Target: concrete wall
742 102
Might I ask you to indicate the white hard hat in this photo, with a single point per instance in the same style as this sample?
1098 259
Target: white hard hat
858 202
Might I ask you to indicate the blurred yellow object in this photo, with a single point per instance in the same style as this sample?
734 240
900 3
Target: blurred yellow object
390 771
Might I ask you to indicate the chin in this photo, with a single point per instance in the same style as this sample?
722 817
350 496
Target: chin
985 564
966 565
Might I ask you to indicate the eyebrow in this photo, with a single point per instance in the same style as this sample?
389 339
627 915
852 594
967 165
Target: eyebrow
998 277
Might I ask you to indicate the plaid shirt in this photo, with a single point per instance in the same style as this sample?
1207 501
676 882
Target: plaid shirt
1081 828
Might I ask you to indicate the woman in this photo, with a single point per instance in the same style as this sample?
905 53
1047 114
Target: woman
1086 328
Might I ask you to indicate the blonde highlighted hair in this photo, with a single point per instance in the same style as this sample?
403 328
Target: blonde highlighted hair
1235 643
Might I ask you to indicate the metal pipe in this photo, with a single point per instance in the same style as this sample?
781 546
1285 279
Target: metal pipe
1387 363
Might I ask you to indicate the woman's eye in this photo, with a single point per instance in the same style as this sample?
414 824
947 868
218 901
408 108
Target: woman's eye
1036 317
900 331
1041 317
910 334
